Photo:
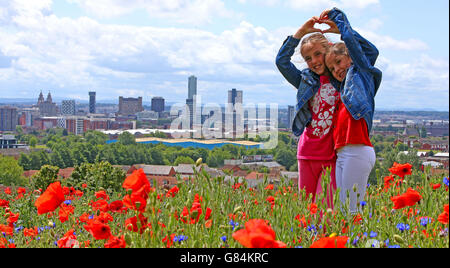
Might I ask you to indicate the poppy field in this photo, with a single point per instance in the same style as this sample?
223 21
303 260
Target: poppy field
211 213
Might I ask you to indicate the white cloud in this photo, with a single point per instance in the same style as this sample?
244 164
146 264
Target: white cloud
191 12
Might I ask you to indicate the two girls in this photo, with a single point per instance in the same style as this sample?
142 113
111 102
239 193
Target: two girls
333 113
317 101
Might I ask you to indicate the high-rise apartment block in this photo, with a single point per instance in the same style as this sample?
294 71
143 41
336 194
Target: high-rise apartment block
130 106
68 107
8 118
158 104
92 102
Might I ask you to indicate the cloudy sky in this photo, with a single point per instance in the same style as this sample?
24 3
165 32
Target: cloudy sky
149 48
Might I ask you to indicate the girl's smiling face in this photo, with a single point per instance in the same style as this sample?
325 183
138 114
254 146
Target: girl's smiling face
314 55
338 65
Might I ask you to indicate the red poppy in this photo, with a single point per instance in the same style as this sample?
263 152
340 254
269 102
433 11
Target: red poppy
410 198
443 217
312 208
98 230
173 191
136 180
12 219
7 230
135 202
401 169
50 199
4 203
207 213
436 186
7 191
257 234
168 240
101 194
116 206
131 223
100 204
30 232
116 242
269 187
69 240
64 212
330 242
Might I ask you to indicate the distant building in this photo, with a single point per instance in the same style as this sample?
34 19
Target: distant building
291 115
192 86
130 106
158 104
8 118
68 107
8 142
92 102
46 107
190 101
235 96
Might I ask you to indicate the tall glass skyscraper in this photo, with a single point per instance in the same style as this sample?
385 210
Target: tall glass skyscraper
92 102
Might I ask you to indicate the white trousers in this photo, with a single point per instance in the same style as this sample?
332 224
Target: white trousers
353 166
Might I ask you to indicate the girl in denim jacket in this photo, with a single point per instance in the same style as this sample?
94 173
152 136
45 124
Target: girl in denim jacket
316 106
352 64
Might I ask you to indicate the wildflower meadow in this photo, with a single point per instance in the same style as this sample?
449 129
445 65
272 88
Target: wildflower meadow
207 212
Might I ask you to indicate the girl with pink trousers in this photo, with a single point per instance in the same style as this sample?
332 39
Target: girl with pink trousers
316 107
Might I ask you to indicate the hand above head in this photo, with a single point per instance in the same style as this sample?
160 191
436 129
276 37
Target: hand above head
307 28
323 18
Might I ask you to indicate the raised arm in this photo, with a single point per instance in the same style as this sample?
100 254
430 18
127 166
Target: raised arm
283 59
362 52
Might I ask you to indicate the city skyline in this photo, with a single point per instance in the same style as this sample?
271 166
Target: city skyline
150 48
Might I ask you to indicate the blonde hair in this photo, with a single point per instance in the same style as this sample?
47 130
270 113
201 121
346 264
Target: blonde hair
313 38
339 49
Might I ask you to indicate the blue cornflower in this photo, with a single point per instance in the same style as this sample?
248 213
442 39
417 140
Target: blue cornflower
445 181
224 238
234 224
355 241
394 246
179 238
68 202
363 203
373 234
424 221
403 227
311 228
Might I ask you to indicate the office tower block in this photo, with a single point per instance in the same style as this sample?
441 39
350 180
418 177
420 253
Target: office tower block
130 106
192 87
92 102
158 104
8 118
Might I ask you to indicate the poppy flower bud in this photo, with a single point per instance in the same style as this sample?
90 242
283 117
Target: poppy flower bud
128 239
198 162
398 239
236 209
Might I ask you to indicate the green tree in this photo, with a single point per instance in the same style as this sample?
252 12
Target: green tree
33 141
98 175
126 138
46 175
11 172
183 160
25 161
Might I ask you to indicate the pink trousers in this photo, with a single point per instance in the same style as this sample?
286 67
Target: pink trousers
310 173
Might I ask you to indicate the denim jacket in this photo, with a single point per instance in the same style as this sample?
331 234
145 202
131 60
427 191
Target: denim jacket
362 81
306 81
